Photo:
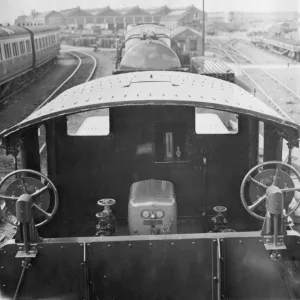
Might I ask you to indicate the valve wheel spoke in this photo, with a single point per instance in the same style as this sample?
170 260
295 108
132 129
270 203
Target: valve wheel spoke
40 191
258 183
22 185
275 178
10 198
257 203
47 215
294 189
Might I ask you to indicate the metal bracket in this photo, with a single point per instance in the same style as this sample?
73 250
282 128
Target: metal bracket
270 245
30 253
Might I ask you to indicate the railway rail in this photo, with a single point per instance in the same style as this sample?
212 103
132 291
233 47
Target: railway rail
264 81
84 72
78 76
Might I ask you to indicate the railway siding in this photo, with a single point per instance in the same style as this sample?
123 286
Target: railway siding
262 94
268 73
270 88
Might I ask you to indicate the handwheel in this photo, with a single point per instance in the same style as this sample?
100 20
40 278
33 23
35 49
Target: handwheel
106 202
263 180
35 188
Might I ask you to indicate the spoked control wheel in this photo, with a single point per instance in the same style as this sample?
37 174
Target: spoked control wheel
38 192
263 180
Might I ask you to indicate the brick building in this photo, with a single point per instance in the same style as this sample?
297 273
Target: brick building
187 38
110 20
190 16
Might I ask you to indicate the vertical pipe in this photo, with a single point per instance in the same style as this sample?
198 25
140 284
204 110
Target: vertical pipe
219 294
275 230
25 237
203 28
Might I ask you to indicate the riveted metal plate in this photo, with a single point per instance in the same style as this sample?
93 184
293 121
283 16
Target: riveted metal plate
250 272
151 269
56 272
154 87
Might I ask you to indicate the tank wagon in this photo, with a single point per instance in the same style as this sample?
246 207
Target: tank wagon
24 49
149 47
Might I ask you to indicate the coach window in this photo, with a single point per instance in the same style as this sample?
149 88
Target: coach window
36 44
7 50
40 43
17 49
21 48
28 46
14 49
1 57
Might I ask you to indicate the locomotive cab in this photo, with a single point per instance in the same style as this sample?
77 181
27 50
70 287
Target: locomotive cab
152 185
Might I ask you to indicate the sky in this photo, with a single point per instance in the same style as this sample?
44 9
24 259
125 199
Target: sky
10 9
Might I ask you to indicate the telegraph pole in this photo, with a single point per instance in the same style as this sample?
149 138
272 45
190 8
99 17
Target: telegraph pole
203 29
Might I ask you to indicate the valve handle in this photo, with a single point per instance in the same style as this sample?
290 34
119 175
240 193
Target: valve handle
106 202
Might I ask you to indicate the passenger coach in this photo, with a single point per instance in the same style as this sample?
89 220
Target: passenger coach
23 50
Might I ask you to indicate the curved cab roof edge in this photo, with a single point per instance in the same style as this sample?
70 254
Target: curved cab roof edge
155 88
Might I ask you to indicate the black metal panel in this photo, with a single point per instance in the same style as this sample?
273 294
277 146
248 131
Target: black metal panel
56 273
250 273
272 142
152 269
90 168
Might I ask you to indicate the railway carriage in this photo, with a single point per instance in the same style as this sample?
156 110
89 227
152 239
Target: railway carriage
15 53
46 43
23 50
156 200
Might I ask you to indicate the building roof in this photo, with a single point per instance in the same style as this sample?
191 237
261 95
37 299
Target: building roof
79 13
43 15
133 11
103 11
160 11
175 15
69 11
155 88
181 29
107 11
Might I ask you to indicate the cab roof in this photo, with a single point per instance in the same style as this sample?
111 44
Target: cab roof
155 88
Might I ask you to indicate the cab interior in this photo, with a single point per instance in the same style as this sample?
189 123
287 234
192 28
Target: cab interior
139 142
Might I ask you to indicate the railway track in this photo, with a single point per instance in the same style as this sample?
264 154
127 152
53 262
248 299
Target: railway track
263 82
84 72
